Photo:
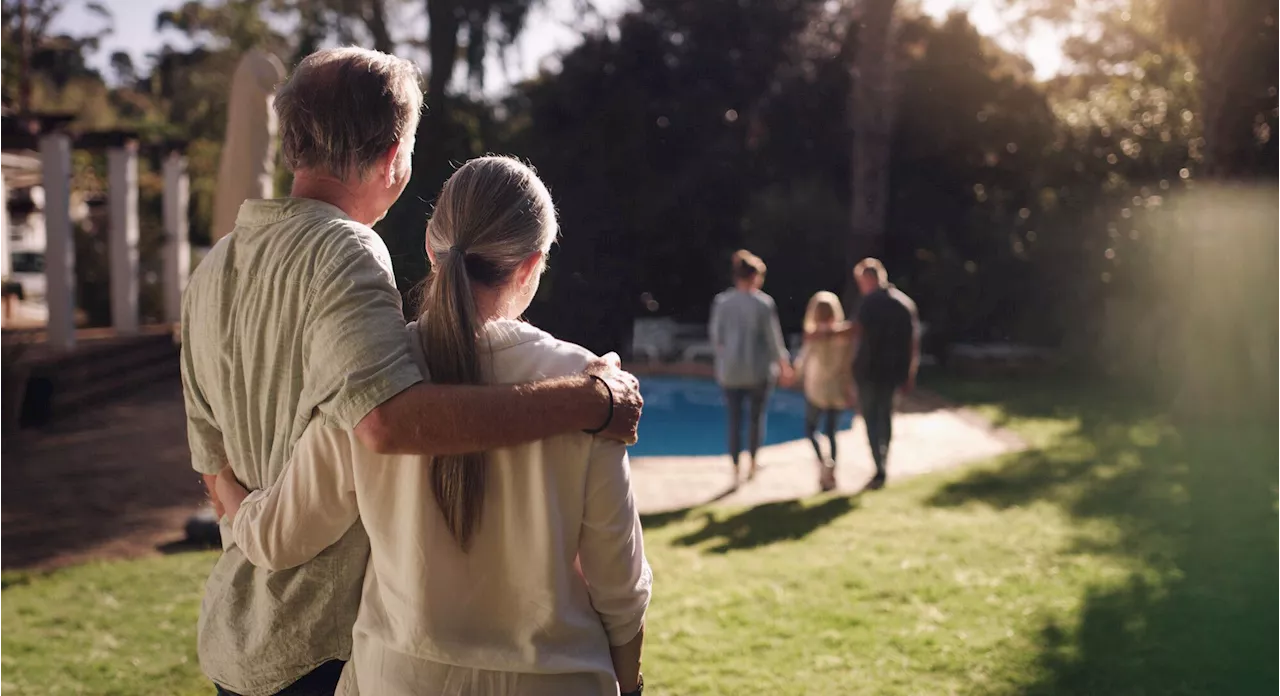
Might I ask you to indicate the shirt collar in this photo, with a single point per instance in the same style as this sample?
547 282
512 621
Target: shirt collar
264 211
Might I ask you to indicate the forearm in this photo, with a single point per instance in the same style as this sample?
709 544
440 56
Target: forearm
230 498
439 419
844 328
210 487
626 662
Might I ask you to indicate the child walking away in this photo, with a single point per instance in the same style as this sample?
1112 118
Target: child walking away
826 366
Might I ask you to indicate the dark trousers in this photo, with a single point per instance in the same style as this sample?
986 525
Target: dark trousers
876 402
813 414
734 399
321 681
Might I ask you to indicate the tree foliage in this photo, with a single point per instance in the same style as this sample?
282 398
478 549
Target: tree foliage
1035 211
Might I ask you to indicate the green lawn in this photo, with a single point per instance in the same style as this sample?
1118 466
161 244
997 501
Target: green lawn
1120 555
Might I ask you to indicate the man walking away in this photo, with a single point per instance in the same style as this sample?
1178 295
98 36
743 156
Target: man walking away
888 332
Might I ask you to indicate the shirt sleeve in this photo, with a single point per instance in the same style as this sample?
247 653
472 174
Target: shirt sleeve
777 344
713 324
915 315
357 351
611 549
204 437
307 509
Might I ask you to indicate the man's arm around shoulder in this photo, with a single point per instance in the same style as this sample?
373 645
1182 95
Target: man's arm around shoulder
443 419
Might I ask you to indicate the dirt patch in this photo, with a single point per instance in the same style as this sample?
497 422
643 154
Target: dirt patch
112 482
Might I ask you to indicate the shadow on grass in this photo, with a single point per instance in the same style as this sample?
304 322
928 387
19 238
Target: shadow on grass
1194 507
658 520
758 526
16 578
187 546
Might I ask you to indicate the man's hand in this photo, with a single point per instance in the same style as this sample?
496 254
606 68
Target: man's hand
230 492
627 402
210 486
909 385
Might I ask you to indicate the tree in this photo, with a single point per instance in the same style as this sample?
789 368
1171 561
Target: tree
1208 65
653 180
1234 42
871 113
36 57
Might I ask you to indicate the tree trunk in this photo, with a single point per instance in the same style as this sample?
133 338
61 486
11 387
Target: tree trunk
403 226
871 115
375 19
442 37
1227 107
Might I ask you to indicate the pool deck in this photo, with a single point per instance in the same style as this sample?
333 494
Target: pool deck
928 435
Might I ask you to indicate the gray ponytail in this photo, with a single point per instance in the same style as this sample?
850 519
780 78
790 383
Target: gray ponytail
492 215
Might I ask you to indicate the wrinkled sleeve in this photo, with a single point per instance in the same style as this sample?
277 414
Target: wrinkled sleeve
356 348
307 509
713 324
611 549
204 437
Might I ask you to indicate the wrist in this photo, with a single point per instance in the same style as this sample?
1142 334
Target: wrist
592 403
637 689
599 381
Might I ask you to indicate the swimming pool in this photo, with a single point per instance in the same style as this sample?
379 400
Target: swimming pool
686 416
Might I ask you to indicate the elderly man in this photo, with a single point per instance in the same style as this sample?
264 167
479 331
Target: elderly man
295 315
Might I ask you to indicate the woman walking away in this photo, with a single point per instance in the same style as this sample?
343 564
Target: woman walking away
750 352
826 367
518 571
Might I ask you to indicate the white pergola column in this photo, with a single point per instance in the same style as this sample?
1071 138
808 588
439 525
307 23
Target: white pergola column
60 248
122 249
177 249
4 230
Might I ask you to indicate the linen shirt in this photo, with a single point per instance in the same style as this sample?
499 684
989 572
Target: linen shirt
293 316
555 573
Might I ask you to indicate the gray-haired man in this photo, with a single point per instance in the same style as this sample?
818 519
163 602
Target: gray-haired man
295 315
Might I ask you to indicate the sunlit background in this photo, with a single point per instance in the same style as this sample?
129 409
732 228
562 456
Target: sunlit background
1080 196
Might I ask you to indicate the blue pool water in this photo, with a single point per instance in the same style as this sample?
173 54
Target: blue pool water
686 416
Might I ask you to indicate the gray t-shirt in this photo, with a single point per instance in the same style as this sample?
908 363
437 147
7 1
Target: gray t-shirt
293 316
747 338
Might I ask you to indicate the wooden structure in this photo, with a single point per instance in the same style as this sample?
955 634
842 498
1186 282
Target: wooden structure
46 134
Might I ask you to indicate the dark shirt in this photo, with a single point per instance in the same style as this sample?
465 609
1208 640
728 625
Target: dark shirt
889 326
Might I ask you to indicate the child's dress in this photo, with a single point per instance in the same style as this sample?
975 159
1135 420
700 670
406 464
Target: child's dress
827 368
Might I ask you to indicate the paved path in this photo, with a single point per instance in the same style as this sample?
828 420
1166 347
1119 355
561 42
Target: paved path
116 482
927 436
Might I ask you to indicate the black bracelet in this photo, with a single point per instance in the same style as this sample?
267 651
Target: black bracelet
608 420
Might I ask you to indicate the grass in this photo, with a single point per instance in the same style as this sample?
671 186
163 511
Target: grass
1118 555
